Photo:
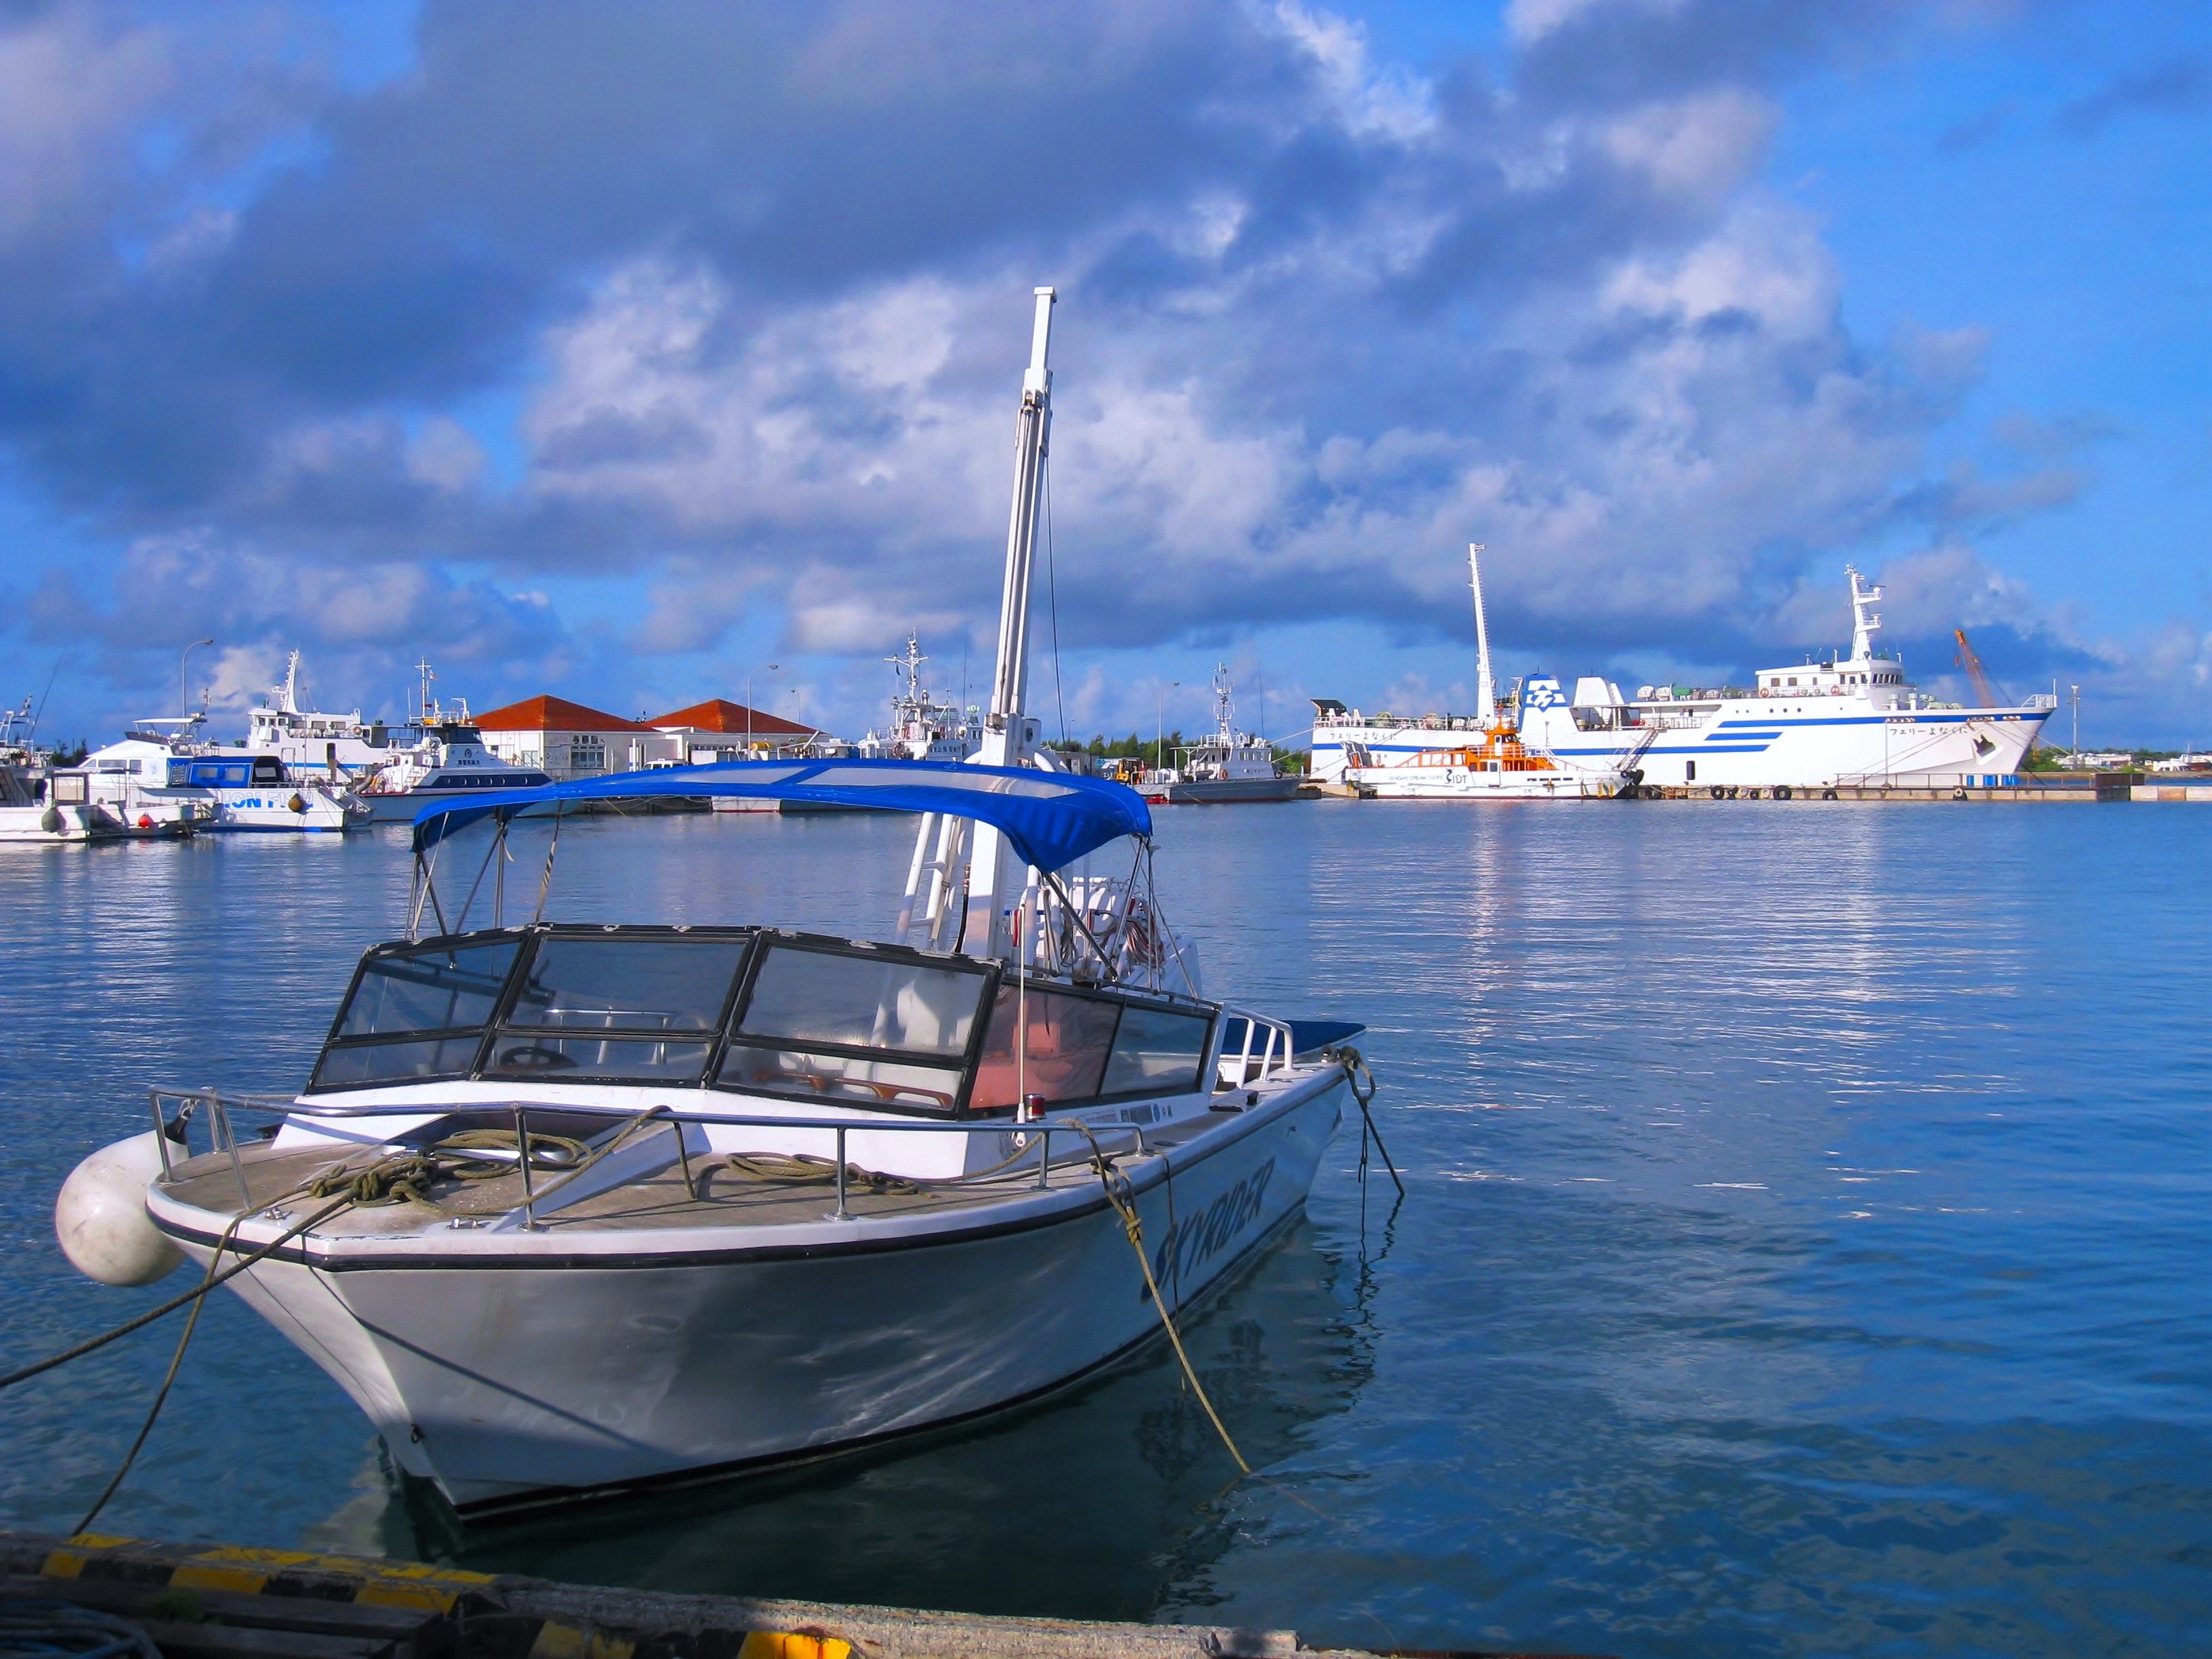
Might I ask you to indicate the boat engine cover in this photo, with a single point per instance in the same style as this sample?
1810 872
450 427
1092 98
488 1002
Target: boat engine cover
99 1215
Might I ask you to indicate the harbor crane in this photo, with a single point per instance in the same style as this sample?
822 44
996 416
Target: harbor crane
1985 694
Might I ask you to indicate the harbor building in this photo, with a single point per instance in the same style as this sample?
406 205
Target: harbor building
571 740
720 730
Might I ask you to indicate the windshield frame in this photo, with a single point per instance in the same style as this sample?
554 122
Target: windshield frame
769 939
528 938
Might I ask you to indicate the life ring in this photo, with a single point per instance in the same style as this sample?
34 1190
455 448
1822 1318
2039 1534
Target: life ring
1958 794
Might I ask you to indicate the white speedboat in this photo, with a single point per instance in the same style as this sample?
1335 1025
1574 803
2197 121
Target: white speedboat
1843 719
573 1208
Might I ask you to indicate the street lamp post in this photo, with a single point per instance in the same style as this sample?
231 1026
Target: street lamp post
749 711
1160 741
184 678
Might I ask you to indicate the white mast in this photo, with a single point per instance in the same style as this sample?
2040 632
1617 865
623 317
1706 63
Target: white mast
1009 736
1485 688
1864 621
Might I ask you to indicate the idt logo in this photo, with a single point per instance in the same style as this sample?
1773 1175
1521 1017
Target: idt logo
1542 692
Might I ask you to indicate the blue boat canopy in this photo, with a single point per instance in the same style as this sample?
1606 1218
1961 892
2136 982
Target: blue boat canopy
1050 818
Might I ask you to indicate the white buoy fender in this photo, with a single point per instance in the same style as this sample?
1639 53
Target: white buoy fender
99 1215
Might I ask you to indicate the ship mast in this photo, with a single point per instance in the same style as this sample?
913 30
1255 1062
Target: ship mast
1485 688
1864 621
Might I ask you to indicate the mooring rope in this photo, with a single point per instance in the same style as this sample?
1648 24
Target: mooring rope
168 1379
1122 1195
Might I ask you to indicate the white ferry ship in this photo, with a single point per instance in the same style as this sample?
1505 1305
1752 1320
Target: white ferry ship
1848 720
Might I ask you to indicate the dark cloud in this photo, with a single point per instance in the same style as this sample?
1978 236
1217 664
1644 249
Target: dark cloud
2181 87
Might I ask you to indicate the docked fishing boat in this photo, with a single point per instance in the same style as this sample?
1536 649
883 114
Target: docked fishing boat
568 1209
1226 766
161 776
1490 760
34 810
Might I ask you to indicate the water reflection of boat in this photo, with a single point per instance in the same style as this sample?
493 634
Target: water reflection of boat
556 1207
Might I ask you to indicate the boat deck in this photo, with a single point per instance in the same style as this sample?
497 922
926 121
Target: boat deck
719 1194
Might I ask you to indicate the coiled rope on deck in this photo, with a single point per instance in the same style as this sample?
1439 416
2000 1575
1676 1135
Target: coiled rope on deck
468 1155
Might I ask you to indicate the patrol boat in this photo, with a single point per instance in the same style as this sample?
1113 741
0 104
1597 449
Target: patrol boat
568 1209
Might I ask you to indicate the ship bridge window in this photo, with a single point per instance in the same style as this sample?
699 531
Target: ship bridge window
415 1013
857 1027
636 1009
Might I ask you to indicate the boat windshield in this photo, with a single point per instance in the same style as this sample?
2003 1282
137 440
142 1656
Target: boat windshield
1086 1047
417 1013
640 1010
856 1028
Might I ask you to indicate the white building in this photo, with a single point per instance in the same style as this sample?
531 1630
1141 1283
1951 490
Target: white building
572 741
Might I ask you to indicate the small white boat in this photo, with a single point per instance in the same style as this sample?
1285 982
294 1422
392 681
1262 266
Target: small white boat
36 808
568 1209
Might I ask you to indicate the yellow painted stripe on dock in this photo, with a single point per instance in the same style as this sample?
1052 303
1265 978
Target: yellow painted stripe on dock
792 1645
69 1562
377 1593
559 1641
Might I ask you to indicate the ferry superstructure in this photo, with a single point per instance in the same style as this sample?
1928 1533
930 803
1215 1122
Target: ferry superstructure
1842 721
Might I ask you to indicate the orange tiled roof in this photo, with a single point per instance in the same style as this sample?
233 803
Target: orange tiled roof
554 714
720 714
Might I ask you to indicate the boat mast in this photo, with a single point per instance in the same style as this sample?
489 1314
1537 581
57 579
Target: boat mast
1009 737
1485 689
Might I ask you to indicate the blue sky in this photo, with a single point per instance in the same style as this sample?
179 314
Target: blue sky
625 352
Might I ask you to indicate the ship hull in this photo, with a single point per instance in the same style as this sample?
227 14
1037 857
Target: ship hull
1221 792
1749 742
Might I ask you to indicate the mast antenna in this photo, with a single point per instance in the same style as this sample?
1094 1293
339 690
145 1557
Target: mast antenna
1485 688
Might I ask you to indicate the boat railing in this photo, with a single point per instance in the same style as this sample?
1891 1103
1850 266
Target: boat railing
214 1109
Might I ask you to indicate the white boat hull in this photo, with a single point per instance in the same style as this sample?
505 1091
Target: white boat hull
507 1377
1748 743
52 825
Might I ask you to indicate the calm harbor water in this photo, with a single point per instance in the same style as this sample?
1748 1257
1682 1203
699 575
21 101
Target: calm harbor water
1805 1249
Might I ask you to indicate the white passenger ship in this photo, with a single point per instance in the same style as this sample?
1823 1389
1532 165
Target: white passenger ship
1846 721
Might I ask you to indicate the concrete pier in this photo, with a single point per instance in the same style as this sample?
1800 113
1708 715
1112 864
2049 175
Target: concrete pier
221 1602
